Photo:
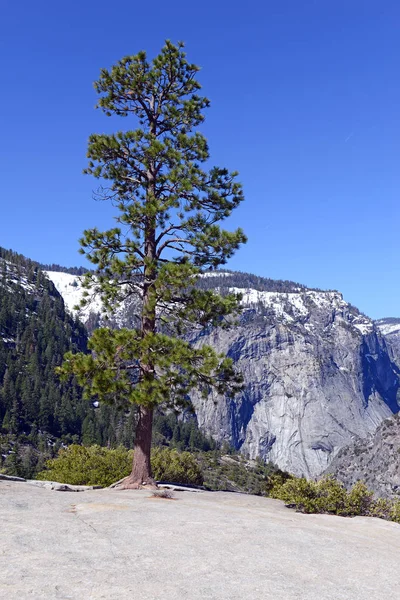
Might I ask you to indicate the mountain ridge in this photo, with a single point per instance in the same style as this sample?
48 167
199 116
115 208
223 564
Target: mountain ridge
318 372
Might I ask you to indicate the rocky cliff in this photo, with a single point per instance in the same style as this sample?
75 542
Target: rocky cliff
390 329
318 374
374 460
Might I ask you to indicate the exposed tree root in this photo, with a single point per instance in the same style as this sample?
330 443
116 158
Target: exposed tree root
128 483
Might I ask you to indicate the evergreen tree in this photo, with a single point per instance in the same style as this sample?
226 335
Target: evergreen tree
167 235
35 333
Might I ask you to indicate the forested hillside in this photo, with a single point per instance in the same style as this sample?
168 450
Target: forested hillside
38 413
35 332
227 279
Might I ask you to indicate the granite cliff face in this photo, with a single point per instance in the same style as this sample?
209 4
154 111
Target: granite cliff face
318 374
390 329
374 460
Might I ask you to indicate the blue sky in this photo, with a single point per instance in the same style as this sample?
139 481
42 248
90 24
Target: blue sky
305 104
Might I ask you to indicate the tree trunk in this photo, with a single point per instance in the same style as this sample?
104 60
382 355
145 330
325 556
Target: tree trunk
141 468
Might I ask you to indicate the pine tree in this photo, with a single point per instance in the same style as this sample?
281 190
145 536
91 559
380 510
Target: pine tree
167 234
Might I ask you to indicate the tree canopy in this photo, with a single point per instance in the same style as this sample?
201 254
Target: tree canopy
167 233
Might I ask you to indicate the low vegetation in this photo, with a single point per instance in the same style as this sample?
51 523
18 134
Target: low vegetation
234 473
94 465
178 467
329 496
215 470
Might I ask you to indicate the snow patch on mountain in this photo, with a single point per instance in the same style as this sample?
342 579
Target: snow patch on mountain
291 307
17 276
216 274
71 289
288 307
387 328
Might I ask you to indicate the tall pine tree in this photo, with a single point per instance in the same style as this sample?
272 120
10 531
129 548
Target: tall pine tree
167 234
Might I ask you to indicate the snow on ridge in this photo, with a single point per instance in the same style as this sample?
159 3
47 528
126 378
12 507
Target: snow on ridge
364 328
70 288
18 278
216 274
288 306
294 305
388 328
298 300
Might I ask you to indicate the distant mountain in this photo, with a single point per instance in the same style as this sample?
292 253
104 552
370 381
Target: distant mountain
37 411
390 328
374 460
318 373
35 332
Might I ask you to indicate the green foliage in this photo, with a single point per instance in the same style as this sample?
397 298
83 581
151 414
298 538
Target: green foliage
298 493
35 333
170 431
234 473
359 500
384 509
173 466
168 233
93 465
395 511
329 496
112 372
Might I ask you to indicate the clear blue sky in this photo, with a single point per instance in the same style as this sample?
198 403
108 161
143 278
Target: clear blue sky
305 104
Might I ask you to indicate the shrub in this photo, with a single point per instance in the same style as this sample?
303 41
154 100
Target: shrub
297 493
381 509
274 480
174 466
330 496
94 465
88 465
359 500
324 496
395 511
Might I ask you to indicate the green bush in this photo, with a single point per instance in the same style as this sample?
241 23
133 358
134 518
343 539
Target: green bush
324 496
359 500
88 465
330 496
395 511
94 465
174 466
297 493
382 509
